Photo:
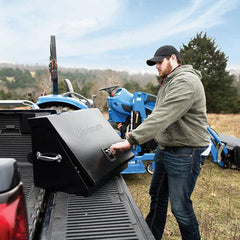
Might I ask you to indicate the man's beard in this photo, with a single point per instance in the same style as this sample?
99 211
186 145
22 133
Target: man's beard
166 70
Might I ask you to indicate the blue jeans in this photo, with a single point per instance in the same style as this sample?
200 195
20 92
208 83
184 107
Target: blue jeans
175 175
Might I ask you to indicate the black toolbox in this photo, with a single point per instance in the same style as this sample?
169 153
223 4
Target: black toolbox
70 151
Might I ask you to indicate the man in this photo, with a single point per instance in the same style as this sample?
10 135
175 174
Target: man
179 125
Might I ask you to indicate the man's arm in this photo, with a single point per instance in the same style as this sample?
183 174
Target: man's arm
178 101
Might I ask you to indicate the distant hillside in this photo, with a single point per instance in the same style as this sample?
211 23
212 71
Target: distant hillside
236 74
30 81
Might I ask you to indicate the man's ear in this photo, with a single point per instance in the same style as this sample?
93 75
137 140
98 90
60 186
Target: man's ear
174 57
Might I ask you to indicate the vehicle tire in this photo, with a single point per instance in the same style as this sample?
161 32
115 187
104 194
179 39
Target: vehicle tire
149 168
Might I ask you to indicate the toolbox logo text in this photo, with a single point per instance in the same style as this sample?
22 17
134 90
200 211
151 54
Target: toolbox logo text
87 130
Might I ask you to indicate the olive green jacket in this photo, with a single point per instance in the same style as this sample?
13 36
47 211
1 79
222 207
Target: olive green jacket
179 117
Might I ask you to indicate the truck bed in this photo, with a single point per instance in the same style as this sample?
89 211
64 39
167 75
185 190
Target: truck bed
109 213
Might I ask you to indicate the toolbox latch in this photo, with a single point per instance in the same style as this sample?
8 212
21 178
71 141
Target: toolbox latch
107 152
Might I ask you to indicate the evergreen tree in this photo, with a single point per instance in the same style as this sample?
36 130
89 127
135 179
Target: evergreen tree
132 86
85 91
151 88
202 53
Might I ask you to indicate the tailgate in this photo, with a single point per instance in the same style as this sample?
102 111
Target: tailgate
110 213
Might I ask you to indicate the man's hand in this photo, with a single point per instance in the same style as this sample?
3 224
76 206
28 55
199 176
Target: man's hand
128 134
122 146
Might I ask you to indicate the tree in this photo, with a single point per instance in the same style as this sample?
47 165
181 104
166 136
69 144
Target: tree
202 53
85 91
132 86
151 88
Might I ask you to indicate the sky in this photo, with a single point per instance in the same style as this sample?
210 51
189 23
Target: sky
113 34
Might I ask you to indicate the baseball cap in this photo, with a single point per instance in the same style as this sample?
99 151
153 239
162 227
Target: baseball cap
161 53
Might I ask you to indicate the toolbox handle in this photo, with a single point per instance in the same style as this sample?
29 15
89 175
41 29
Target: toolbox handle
57 158
107 152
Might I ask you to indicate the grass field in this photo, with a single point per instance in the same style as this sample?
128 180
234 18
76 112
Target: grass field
216 198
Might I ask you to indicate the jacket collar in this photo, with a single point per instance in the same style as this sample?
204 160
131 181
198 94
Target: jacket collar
163 80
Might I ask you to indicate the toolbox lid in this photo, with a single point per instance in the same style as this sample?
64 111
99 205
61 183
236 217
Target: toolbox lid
88 136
